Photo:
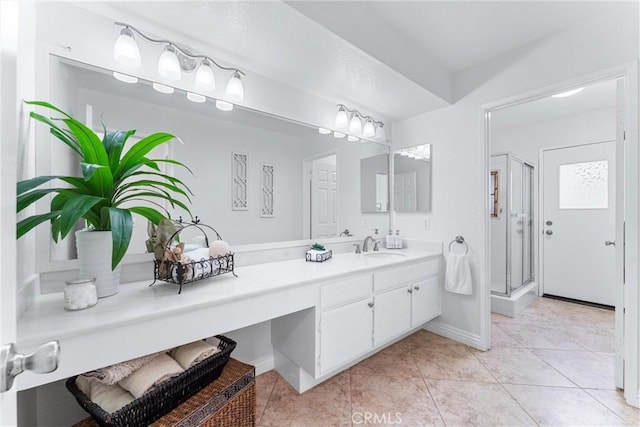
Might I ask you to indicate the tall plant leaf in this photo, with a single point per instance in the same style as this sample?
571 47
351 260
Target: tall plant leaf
151 214
27 224
29 184
57 131
141 149
121 229
114 143
26 199
74 209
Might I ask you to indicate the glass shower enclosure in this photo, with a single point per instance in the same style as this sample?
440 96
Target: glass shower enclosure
512 207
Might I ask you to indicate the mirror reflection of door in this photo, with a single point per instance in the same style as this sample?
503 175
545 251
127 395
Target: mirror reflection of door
404 192
324 195
382 192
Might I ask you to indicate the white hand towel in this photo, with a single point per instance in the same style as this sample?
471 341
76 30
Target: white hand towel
152 374
458 274
108 397
193 353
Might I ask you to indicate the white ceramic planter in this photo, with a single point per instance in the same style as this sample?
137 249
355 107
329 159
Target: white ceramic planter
94 254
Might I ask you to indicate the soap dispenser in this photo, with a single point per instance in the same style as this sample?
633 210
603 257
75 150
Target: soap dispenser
397 240
389 243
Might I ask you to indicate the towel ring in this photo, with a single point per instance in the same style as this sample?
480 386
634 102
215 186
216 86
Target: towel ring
460 240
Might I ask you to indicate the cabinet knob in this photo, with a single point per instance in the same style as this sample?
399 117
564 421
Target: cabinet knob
370 305
417 288
410 290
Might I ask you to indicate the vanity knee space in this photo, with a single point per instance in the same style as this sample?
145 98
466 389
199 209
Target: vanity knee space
355 317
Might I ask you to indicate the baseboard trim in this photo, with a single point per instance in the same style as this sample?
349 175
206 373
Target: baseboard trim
453 333
264 364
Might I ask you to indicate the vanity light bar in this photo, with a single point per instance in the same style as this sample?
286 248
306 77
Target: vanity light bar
174 60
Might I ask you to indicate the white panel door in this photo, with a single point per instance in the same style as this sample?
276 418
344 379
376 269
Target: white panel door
324 209
345 333
391 314
8 136
579 217
404 192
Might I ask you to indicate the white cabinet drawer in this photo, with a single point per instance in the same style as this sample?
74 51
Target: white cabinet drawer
393 277
345 291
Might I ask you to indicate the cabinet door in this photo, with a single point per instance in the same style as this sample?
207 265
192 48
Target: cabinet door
391 314
425 302
345 333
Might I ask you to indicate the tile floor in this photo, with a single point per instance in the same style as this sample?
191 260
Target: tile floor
550 366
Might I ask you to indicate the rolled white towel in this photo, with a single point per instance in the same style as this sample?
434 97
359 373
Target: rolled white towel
114 373
151 375
191 354
199 254
108 397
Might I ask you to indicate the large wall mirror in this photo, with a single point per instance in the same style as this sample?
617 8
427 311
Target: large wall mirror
412 179
297 183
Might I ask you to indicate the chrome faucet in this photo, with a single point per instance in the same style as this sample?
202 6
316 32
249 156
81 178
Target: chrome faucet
365 244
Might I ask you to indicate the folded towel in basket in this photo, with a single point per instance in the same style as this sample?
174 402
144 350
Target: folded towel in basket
193 353
114 373
108 397
154 373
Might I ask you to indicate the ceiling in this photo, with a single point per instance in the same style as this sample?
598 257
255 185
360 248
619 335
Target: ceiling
394 59
593 97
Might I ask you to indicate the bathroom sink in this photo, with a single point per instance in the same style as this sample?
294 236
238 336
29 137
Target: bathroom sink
384 254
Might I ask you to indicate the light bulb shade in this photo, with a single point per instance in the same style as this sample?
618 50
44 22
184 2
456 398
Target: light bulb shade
355 125
223 105
338 135
342 120
352 138
196 97
126 51
125 77
368 130
162 88
235 89
381 134
169 65
324 131
205 80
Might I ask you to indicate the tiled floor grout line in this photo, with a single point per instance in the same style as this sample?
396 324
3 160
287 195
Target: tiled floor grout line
266 405
424 380
555 369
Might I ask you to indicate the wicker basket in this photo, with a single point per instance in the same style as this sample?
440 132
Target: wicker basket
180 274
162 399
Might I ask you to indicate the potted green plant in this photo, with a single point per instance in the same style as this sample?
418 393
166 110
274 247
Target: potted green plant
112 182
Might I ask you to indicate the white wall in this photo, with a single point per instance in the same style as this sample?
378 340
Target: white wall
526 141
457 135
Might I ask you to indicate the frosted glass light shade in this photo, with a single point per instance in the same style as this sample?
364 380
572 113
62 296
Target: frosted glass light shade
324 131
125 50
162 88
352 138
125 77
205 79
381 134
168 64
235 89
338 135
223 105
368 129
196 97
341 119
355 125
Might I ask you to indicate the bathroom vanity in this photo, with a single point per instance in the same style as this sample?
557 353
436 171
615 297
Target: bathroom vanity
325 316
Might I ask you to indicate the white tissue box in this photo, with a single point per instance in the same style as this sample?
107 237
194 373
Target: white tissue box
318 256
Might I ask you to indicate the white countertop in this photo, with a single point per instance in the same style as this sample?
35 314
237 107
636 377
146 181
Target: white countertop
136 302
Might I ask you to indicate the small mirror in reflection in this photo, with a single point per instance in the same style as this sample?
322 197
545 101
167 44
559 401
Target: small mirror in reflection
412 179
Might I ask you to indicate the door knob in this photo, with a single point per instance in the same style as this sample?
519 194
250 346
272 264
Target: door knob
610 243
370 305
44 359
549 222
417 288
410 290
548 232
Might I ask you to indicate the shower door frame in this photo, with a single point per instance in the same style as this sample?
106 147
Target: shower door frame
532 209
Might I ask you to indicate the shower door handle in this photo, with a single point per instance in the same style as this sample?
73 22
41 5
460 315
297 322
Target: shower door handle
610 243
